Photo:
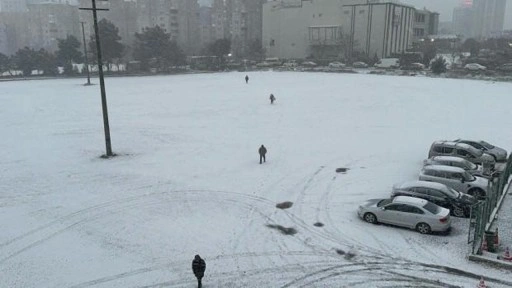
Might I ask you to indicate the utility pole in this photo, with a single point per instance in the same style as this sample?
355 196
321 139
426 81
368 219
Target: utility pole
102 80
86 57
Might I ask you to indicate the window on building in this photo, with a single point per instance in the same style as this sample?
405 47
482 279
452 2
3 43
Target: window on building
420 18
419 32
272 42
361 11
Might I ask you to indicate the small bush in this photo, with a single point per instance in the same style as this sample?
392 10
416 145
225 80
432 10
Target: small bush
439 65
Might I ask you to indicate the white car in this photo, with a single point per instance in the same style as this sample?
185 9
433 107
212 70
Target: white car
388 63
336 65
475 67
405 211
456 178
359 64
309 64
472 168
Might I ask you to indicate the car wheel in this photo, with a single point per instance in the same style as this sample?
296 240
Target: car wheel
423 228
477 193
458 211
370 218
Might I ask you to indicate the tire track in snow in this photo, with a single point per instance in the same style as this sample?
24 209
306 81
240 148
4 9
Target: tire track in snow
180 265
48 231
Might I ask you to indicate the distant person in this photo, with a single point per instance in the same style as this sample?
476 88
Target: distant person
272 98
263 152
246 79
198 267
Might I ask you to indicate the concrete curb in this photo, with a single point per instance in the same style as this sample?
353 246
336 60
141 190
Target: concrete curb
492 262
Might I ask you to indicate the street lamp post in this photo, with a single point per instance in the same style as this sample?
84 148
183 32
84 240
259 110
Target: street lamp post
102 81
86 57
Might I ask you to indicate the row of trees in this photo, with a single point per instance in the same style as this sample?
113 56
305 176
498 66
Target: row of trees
153 48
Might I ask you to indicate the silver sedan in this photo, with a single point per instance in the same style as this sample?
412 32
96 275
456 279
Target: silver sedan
405 211
499 154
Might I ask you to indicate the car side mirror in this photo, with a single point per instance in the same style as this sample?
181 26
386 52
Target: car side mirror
383 208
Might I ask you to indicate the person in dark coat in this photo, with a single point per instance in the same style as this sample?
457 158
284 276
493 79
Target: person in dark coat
272 98
198 267
246 79
262 152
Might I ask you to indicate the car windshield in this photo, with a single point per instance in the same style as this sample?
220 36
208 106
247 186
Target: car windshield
486 145
432 208
452 193
469 177
383 202
471 166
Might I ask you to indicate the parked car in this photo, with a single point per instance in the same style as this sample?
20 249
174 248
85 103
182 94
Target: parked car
462 150
309 64
505 67
359 64
437 193
270 62
499 154
456 178
409 212
472 168
388 63
413 67
336 65
290 64
475 67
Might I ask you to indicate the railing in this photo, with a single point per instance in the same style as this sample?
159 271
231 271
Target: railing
484 212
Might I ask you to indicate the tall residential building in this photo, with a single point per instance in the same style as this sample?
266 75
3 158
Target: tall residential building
462 23
239 21
50 21
122 13
14 32
489 17
188 25
246 25
221 18
206 32
180 18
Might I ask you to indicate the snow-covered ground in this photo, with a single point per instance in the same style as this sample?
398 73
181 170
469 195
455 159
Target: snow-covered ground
187 179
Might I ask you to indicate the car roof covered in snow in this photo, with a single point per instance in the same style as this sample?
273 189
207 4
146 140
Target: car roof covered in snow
444 168
410 200
457 144
449 158
425 184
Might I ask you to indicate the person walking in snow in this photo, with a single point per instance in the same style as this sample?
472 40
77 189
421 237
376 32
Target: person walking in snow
262 152
198 267
272 98
246 79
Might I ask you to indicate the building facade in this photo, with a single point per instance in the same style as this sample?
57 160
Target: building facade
337 28
426 23
48 22
463 21
13 6
489 17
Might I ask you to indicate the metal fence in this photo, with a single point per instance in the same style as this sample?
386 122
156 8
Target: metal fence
484 212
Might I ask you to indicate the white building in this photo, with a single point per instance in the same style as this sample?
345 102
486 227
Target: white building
336 28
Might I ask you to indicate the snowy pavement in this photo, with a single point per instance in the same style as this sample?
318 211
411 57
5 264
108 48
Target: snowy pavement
187 180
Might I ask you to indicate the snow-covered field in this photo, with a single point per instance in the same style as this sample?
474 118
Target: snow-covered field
187 179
